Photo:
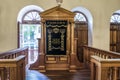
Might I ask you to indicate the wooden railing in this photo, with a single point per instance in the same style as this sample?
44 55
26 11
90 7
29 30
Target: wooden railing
105 69
104 65
12 64
88 51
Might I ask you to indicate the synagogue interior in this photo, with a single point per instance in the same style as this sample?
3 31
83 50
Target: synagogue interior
60 40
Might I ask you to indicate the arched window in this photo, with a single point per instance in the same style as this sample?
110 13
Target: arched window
115 32
89 19
29 30
80 17
31 17
115 18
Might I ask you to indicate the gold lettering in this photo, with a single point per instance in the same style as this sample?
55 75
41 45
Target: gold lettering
56 41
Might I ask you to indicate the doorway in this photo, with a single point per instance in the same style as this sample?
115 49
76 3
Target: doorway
81 33
29 34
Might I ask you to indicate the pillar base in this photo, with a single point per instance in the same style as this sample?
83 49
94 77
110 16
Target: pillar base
72 68
42 69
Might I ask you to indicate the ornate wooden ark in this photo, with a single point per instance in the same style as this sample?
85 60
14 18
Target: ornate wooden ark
57 42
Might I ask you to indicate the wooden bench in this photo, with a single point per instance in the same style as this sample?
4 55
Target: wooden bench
12 64
104 65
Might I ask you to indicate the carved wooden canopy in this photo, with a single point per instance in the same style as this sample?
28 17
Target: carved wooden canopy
57 13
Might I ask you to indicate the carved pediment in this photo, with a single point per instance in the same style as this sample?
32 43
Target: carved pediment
57 12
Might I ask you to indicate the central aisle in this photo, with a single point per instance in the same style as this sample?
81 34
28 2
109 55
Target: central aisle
83 74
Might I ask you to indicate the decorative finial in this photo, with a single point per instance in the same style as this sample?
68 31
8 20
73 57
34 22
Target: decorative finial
59 2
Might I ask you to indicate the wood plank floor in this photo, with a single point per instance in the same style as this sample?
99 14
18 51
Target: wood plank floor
83 74
66 75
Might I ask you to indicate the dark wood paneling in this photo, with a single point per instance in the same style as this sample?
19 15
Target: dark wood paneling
115 37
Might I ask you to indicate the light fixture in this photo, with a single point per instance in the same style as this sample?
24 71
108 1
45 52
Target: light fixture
59 2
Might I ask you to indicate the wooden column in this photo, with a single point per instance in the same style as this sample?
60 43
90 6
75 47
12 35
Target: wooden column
42 54
72 53
72 38
68 39
42 45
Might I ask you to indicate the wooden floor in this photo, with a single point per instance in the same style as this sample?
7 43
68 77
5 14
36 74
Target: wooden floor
83 74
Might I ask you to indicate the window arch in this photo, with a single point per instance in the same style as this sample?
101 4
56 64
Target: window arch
29 30
80 17
115 18
89 18
27 9
31 17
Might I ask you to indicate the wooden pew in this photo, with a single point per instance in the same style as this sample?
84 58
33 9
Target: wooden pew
104 69
104 65
88 51
12 64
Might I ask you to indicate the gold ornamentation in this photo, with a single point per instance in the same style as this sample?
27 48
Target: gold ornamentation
56 41
55 30
49 39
